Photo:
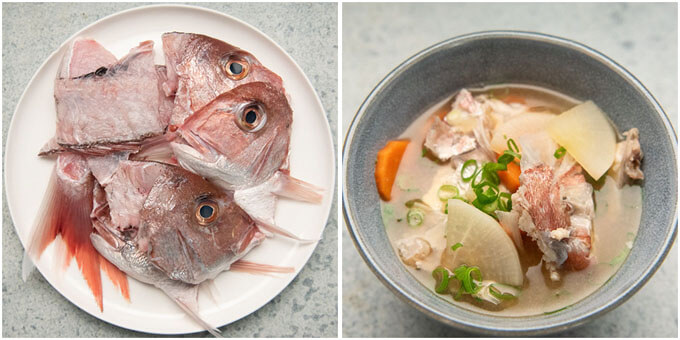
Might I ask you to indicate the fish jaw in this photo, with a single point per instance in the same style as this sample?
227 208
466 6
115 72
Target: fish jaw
137 264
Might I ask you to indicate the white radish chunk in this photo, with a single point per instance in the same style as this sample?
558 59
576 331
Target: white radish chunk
586 133
485 245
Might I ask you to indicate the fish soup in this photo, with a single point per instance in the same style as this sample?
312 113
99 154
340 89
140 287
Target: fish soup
489 199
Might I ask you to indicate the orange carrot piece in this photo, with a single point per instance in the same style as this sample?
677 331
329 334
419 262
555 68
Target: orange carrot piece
510 177
513 99
387 165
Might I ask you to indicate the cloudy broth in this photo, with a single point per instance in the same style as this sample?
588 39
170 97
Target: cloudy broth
617 217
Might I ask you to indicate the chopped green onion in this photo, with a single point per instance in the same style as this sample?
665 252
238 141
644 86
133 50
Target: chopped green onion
505 201
506 158
465 275
495 166
441 278
464 170
447 192
417 202
512 146
415 217
489 208
486 193
424 152
560 152
500 294
555 311
456 246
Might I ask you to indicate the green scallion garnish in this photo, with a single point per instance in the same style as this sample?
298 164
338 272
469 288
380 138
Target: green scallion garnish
500 295
512 146
466 172
447 192
466 275
560 152
441 278
456 246
415 217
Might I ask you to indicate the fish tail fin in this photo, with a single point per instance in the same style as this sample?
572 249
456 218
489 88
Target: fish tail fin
186 297
259 268
66 211
117 277
276 230
293 188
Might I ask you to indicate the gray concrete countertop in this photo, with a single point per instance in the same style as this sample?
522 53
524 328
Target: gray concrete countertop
308 306
378 37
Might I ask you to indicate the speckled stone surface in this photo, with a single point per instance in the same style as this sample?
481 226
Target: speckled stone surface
308 306
378 37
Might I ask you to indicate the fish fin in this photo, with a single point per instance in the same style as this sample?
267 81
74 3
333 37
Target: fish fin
293 188
66 211
117 277
276 230
212 290
186 297
259 268
155 149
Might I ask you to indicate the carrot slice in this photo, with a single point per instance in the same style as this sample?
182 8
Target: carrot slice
387 165
510 177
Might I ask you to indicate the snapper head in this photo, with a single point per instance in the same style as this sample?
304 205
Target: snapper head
238 140
200 68
192 230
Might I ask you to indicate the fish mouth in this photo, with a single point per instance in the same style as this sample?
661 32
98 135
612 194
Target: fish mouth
190 138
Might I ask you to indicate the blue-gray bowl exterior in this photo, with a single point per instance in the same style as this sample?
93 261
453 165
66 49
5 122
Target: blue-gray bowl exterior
499 57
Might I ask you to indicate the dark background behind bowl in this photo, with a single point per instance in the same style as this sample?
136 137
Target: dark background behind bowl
378 37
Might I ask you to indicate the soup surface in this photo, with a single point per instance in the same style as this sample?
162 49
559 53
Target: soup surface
420 176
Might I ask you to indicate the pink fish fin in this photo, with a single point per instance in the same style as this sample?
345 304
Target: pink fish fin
259 268
276 230
186 297
212 290
293 188
156 149
66 211
117 277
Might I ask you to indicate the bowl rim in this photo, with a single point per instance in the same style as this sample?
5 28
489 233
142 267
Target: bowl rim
398 289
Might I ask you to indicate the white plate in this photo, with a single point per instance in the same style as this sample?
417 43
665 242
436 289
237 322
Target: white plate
311 159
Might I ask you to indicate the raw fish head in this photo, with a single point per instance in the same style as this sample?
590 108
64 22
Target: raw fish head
201 68
192 230
238 140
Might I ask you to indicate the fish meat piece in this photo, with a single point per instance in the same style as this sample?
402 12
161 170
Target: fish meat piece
257 119
554 204
445 141
66 212
85 56
200 68
628 159
111 108
127 191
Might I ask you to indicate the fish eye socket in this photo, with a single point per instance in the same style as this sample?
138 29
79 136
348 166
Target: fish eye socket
236 67
206 212
252 118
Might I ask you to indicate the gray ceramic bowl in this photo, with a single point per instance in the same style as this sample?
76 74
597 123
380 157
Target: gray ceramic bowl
486 58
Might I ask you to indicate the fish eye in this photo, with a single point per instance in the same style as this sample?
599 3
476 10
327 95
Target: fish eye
251 118
236 67
206 212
